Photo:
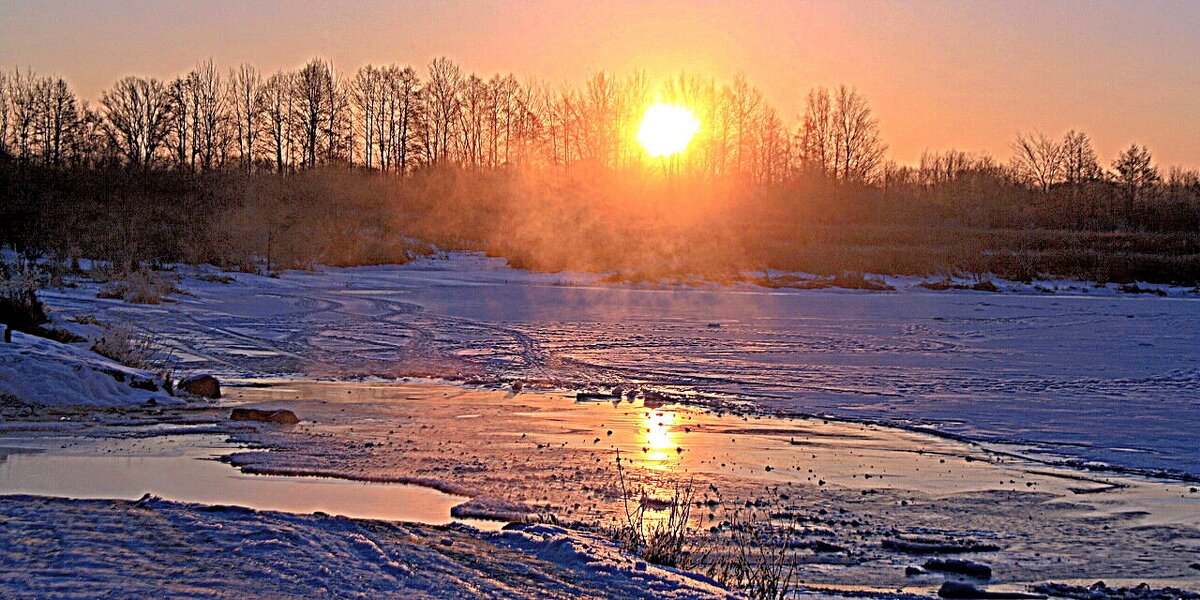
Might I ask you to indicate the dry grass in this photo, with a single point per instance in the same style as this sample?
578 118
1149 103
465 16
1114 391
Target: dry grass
141 286
660 541
749 551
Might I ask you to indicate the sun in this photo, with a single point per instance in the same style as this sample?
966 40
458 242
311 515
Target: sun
667 129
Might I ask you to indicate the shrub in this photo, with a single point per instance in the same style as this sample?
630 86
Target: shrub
662 541
121 344
759 557
749 551
20 309
139 287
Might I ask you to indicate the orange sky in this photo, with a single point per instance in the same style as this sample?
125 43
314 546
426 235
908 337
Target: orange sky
940 74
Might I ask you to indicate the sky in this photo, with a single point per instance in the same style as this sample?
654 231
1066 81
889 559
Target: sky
939 74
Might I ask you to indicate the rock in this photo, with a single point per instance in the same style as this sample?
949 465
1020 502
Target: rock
955 589
143 383
958 565
596 396
823 546
1100 591
283 417
934 546
205 386
912 570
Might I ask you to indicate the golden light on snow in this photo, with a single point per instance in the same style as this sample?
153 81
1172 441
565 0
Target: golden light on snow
667 129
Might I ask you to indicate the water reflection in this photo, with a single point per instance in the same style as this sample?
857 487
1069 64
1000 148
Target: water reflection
186 469
661 438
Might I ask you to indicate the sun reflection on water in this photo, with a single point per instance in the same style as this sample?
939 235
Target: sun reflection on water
661 439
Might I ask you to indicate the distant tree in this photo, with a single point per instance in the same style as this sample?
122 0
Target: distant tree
1137 176
61 118
367 91
208 102
1079 158
318 107
745 105
279 110
441 95
815 139
136 114
247 97
1037 160
5 113
859 147
23 101
473 109
400 116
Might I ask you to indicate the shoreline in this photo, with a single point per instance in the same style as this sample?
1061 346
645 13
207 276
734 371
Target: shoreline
878 476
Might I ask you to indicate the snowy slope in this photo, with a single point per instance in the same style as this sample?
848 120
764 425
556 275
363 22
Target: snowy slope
155 548
43 372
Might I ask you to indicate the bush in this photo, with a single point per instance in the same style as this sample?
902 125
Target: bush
121 344
663 541
140 351
760 555
20 309
139 287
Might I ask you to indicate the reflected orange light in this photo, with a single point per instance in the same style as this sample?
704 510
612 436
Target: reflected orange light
662 442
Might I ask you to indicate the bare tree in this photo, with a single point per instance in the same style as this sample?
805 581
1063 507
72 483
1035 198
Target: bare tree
5 113
858 146
1037 160
247 97
815 139
1079 158
318 107
441 95
473 99
367 97
61 116
180 121
136 113
745 104
208 100
403 102
278 108
23 98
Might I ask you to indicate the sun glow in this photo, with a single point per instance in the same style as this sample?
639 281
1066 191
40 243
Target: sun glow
661 439
667 129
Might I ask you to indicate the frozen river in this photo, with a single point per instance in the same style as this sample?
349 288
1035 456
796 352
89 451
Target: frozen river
1083 374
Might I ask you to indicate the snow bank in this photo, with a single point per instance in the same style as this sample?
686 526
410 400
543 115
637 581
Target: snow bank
38 371
604 564
101 548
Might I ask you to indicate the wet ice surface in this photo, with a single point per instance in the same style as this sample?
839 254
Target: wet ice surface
186 469
1089 374
848 485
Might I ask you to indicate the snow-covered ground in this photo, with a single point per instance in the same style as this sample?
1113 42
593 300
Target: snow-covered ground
38 371
1086 373
154 548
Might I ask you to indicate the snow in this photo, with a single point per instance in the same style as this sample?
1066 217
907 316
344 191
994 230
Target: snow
1069 370
1087 373
43 372
153 547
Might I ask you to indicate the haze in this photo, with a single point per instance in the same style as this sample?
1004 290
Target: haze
940 75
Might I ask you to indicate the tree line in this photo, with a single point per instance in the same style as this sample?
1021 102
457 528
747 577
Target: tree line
226 141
